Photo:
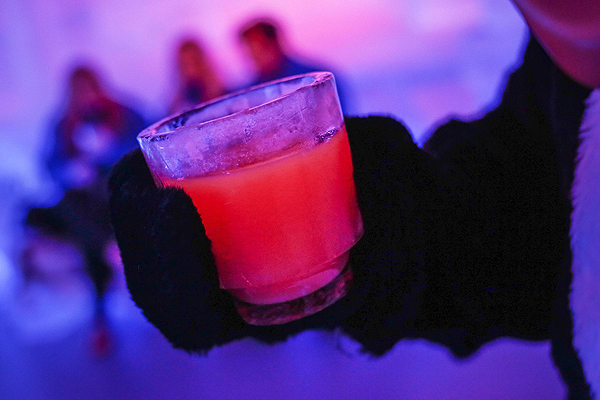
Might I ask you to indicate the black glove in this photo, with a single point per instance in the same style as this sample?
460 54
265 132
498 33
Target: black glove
172 277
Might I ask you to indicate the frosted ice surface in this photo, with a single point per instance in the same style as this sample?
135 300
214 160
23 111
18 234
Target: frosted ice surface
245 128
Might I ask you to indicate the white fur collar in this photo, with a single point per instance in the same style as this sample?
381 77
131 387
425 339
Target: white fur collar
585 243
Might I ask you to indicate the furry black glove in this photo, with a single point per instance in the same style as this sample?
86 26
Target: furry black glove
172 277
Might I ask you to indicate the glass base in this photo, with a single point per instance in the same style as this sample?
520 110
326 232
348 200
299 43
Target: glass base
281 313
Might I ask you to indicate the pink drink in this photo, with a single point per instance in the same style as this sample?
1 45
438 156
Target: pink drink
270 172
278 228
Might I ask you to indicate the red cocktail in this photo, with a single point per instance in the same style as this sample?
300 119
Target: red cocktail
270 173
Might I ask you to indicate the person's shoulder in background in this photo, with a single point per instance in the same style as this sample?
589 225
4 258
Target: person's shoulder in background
298 66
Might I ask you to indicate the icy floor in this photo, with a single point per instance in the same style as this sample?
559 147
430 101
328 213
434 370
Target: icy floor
310 366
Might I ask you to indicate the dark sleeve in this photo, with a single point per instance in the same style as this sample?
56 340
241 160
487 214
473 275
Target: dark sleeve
470 249
132 124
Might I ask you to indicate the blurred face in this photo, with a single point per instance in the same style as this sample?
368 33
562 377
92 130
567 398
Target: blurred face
569 30
266 53
577 20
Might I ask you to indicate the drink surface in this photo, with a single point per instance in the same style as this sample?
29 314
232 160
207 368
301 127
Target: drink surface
283 220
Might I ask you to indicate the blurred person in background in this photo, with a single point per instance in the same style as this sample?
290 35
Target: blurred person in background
198 80
263 41
93 132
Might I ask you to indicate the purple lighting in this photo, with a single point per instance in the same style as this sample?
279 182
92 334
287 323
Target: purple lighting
420 61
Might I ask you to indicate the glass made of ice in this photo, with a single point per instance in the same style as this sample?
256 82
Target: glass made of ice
270 172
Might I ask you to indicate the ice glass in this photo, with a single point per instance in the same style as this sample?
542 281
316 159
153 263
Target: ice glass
270 172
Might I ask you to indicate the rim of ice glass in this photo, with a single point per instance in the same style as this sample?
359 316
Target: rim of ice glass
179 120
